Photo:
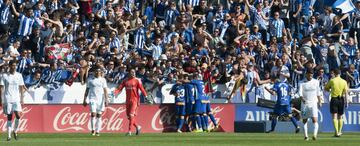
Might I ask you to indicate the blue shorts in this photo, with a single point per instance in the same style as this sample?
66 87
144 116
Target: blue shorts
180 110
282 109
189 108
199 107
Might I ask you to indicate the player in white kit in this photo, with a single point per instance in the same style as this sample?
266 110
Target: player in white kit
13 88
310 94
96 91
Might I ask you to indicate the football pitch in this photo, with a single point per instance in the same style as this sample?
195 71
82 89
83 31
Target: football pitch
181 139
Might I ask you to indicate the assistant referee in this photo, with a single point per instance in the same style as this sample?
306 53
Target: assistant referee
338 92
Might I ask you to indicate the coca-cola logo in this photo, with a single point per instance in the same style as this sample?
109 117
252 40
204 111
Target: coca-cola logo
67 120
23 123
164 119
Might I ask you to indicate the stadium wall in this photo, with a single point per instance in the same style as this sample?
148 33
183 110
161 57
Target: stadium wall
76 118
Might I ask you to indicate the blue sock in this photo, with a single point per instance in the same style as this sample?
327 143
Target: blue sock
181 123
213 119
193 122
293 120
273 124
177 123
205 122
199 121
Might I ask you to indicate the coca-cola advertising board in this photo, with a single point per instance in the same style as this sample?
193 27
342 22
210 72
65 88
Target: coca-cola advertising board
76 118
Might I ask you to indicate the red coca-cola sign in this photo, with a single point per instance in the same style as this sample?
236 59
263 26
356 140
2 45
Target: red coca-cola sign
75 118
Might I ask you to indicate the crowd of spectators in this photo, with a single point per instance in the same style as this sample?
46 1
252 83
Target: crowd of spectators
164 38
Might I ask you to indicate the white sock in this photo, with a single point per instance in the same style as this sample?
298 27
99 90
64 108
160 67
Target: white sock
98 124
16 124
316 128
305 130
9 124
92 122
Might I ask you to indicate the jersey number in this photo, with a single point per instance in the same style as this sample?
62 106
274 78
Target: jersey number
284 92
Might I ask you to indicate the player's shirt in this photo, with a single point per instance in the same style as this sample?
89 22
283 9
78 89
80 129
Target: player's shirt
309 90
11 83
179 89
189 93
199 86
96 89
132 87
283 93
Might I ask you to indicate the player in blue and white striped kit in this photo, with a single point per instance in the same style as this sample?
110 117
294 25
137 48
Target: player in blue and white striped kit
179 91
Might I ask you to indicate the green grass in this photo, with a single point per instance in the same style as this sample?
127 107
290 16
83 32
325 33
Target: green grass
184 139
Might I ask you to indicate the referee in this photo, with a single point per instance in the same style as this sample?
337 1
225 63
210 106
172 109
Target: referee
338 89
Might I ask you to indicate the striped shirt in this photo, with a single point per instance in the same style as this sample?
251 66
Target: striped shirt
156 51
354 83
355 19
170 17
296 78
26 25
276 27
115 43
257 19
139 38
54 6
193 3
4 11
24 63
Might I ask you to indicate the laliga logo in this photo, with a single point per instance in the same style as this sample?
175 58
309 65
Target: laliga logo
163 120
23 123
66 120
216 111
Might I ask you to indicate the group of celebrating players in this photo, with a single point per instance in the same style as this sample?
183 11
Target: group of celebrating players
192 104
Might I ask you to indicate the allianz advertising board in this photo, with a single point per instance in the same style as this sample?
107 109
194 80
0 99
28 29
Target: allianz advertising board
251 112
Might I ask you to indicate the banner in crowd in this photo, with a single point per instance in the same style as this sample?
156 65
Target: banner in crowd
346 6
250 112
76 118
58 51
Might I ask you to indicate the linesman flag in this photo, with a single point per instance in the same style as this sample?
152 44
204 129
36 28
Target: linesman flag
346 6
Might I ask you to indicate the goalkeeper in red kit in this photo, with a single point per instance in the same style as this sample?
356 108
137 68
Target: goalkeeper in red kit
132 86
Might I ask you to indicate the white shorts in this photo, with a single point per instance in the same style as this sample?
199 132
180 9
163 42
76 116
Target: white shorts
309 111
97 107
12 107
